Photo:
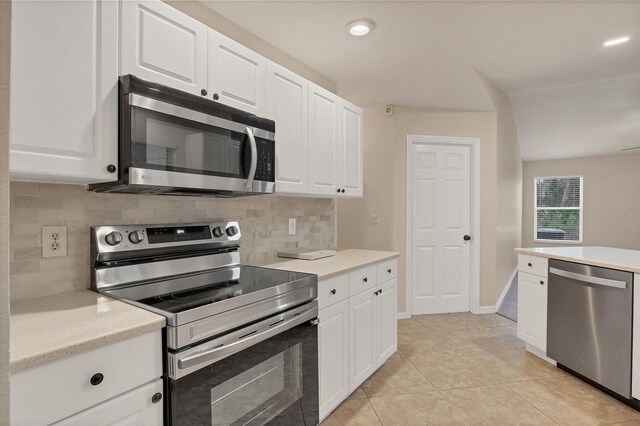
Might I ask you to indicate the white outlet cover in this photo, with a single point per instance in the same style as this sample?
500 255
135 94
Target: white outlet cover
292 226
54 241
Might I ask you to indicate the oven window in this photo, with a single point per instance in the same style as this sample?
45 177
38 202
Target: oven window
272 382
165 142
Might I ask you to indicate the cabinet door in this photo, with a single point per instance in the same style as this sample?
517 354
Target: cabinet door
386 321
163 45
350 158
323 141
237 74
287 106
136 407
362 338
333 334
532 310
64 81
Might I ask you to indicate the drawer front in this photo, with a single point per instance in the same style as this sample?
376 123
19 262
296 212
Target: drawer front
362 279
59 389
387 270
332 290
533 265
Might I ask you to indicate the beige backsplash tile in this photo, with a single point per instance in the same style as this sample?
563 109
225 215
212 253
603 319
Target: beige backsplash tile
263 221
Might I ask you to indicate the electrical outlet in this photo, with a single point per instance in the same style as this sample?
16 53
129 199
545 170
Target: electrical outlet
374 220
54 241
292 226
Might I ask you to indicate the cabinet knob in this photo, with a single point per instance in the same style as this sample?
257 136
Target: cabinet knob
343 190
216 96
338 190
204 92
333 291
111 168
365 279
375 293
156 397
541 282
96 379
529 264
389 271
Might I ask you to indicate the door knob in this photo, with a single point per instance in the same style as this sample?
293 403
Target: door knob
467 237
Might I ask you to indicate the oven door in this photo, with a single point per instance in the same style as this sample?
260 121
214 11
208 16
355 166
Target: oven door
167 145
266 373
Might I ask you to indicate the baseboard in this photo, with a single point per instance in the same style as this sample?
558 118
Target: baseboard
540 354
403 315
487 309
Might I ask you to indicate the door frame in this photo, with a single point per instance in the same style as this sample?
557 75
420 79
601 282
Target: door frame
474 276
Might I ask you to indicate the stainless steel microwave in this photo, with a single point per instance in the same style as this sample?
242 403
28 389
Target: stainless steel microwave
176 143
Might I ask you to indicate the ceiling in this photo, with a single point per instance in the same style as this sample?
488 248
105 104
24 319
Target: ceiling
598 118
547 55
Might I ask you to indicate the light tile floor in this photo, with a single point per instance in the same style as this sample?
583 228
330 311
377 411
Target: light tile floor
472 369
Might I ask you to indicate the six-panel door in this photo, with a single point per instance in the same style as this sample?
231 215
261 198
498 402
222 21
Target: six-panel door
333 335
163 45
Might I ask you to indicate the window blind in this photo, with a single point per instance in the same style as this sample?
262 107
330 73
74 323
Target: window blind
558 214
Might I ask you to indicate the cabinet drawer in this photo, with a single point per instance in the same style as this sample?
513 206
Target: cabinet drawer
54 391
533 265
387 270
362 279
332 290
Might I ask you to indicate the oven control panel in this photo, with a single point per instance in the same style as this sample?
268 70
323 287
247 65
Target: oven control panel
136 237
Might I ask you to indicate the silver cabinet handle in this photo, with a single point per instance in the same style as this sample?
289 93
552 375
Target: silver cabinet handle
588 278
215 350
254 157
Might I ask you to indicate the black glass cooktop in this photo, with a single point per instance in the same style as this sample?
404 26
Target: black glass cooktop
188 292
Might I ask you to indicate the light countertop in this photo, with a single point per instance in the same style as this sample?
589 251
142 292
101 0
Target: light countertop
343 261
54 327
606 257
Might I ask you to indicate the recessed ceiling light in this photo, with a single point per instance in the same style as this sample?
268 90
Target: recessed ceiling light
615 41
360 27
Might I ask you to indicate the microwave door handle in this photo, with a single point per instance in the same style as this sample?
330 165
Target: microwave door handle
254 158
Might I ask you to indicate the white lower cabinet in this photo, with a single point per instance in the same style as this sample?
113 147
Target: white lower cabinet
357 334
362 338
532 303
80 384
333 335
635 350
139 407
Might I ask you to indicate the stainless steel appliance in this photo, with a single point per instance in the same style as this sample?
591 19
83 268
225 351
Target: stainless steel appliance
589 328
176 143
241 341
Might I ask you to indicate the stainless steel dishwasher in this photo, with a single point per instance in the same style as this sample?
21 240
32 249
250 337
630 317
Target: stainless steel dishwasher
590 322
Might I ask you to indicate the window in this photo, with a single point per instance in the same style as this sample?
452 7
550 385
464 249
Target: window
558 209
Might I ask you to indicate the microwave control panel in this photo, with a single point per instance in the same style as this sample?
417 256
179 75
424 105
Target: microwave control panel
266 165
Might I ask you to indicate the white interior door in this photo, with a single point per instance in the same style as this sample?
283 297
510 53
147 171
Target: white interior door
440 191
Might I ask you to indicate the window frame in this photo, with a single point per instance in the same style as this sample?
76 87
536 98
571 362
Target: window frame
536 208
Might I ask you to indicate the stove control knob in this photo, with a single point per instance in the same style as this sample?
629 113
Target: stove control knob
136 237
113 238
232 230
217 232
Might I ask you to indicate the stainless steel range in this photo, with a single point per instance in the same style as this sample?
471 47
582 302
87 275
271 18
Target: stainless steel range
241 341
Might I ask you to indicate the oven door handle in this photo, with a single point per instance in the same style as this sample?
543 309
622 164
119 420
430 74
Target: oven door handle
253 335
254 157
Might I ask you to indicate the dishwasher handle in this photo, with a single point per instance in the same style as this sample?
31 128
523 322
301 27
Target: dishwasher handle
589 278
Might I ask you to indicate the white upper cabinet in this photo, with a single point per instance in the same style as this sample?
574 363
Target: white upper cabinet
163 45
323 141
350 158
287 106
237 75
64 85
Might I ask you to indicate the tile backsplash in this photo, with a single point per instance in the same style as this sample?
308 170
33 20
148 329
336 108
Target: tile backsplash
263 222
